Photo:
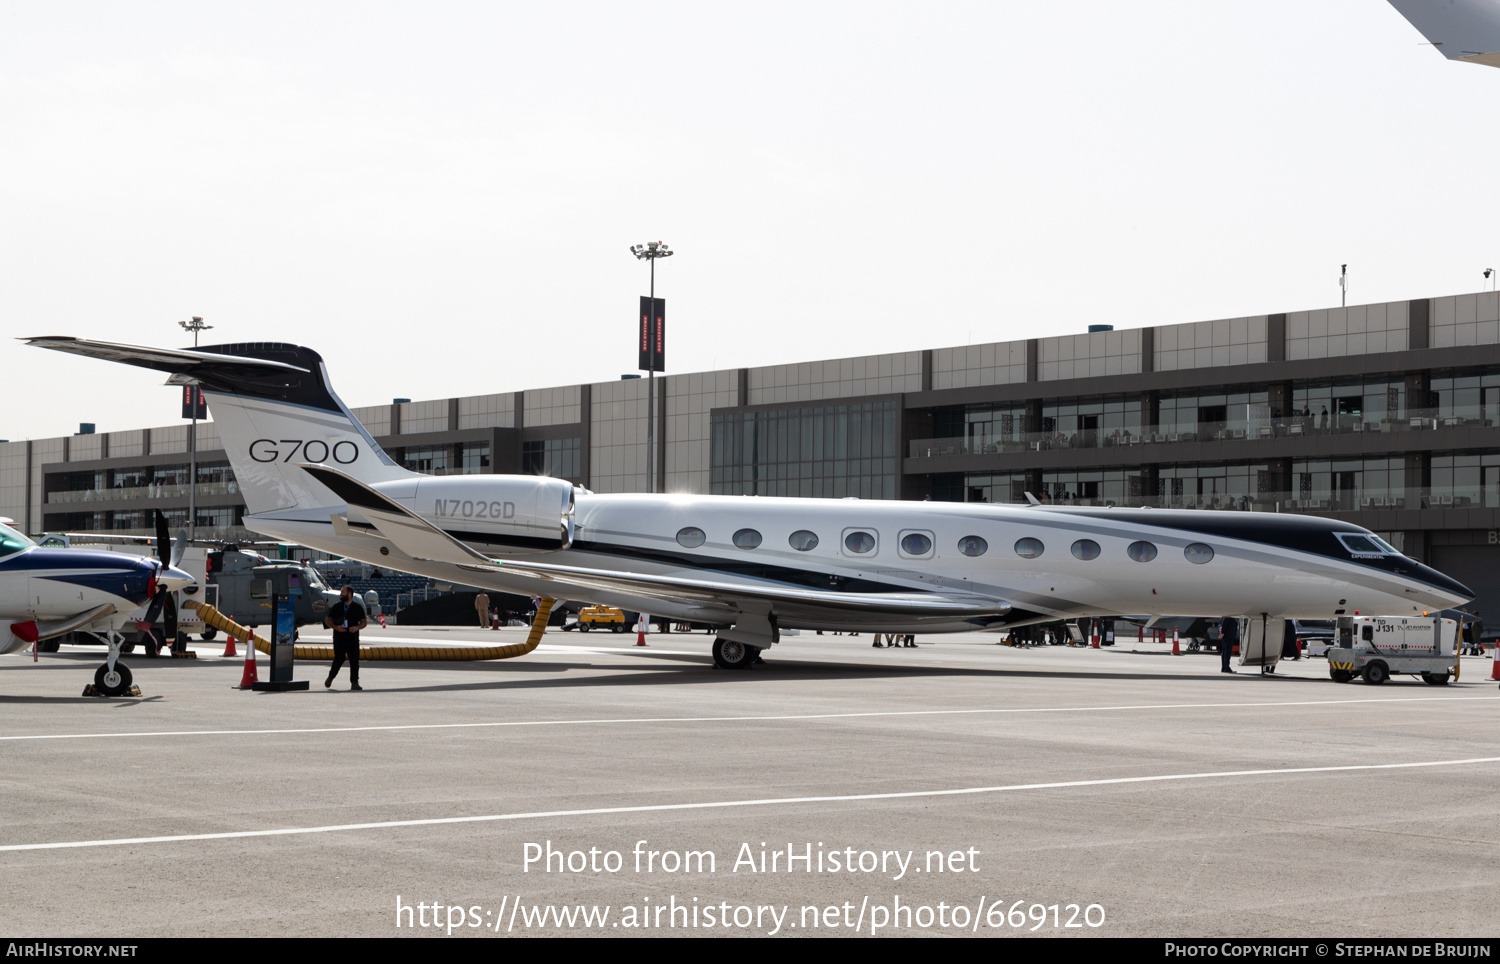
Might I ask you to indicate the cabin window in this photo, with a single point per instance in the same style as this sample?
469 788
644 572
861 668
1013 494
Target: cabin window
916 544
1197 553
691 537
973 546
1141 551
1086 549
802 540
859 542
1029 548
746 539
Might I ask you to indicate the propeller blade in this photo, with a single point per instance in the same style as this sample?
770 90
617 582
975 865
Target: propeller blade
163 540
154 610
169 624
178 548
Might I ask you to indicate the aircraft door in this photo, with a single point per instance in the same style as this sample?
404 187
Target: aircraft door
1260 645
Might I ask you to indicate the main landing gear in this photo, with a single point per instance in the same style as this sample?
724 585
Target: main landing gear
732 655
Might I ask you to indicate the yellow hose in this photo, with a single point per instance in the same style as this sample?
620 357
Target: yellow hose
219 621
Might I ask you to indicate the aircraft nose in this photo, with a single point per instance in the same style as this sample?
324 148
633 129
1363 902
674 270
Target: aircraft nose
1453 592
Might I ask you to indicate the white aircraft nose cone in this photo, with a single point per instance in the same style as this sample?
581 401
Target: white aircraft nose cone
173 578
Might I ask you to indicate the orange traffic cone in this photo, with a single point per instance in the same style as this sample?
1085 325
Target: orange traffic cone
382 620
229 649
1495 670
640 631
1176 650
1094 639
250 678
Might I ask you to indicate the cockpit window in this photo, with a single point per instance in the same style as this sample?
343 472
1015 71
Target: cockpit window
1366 544
12 541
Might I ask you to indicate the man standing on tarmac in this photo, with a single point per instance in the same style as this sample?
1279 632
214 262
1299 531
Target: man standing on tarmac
482 607
1229 634
346 618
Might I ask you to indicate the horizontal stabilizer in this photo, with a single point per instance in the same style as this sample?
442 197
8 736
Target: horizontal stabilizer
408 531
1467 30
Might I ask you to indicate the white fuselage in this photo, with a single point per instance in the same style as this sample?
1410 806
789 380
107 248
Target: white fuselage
640 533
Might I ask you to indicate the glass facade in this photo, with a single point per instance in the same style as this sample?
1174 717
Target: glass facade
817 451
558 458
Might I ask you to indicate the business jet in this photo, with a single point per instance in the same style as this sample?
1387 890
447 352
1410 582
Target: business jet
49 592
312 474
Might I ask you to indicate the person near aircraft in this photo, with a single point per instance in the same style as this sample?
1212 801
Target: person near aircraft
346 618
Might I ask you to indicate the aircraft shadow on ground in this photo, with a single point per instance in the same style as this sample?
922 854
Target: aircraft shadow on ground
689 669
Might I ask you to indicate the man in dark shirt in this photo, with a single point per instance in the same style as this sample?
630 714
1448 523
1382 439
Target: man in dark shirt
346 618
1229 635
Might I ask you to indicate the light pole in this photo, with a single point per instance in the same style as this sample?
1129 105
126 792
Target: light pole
650 251
1343 285
194 326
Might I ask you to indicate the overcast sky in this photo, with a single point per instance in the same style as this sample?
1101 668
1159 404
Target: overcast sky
440 197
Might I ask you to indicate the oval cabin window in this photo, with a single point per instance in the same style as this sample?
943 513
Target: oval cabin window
690 538
973 546
1086 549
747 539
803 540
1029 548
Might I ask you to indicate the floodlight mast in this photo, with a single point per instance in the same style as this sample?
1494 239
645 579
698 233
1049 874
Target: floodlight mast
650 251
194 326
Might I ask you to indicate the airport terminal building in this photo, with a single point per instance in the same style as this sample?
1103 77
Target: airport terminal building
1382 414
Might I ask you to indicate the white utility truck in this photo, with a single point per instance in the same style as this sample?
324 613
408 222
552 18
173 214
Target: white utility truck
1376 647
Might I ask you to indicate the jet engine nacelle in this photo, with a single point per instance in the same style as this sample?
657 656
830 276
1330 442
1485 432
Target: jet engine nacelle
519 514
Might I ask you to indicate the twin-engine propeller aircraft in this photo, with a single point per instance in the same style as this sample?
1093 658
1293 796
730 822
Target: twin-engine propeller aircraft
46 593
311 474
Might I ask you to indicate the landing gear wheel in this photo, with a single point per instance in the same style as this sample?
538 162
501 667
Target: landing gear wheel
1435 679
209 633
112 684
731 655
1341 675
1376 673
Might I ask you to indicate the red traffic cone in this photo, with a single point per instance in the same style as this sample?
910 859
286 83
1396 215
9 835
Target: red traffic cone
1176 651
1495 670
640 631
229 649
1094 639
250 678
382 620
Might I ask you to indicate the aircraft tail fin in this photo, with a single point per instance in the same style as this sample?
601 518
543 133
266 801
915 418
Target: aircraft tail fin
274 409
1467 30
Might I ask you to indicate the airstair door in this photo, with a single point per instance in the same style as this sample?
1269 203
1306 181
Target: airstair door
1260 643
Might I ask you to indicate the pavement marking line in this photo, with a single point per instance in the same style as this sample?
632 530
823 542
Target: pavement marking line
745 719
723 804
854 715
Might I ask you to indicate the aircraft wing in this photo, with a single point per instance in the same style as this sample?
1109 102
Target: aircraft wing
421 539
1467 30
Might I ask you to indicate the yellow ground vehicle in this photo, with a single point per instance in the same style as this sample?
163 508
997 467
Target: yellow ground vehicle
601 617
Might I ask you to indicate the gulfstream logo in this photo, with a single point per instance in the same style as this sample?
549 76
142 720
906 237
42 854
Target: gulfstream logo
468 509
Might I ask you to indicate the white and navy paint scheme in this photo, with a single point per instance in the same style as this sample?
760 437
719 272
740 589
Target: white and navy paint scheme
311 474
46 593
